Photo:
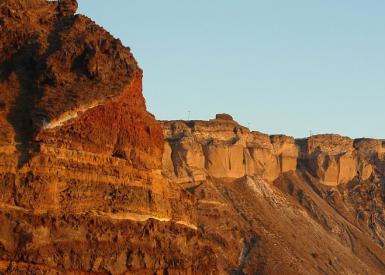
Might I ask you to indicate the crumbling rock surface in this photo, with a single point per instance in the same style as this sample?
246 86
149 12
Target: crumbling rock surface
81 188
56 66
224 149
304 206
91 183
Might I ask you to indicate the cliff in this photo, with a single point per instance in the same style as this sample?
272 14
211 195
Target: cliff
92 183
221 148
80 157
305 206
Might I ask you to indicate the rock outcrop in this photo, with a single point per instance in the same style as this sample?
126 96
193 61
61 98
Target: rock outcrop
221 148
81 188
91 183
276 188
56 66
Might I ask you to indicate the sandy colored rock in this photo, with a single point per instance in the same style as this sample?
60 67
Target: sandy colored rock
347 168
334 181
332 158
229 150
225 160
263 162
286 150
365 171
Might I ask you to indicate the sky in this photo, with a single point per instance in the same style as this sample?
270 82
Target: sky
280 67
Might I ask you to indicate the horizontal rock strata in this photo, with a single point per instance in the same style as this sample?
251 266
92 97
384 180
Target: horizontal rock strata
91 183
222 148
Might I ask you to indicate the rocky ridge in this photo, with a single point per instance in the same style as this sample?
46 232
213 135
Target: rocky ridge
221 148
277 187
81 188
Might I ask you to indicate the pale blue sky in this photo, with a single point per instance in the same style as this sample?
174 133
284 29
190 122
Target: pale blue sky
283 66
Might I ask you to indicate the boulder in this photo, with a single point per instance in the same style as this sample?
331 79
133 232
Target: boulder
224 117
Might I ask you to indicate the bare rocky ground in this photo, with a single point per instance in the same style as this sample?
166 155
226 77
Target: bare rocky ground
91 183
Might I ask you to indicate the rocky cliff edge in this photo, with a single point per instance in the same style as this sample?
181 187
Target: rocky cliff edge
221 148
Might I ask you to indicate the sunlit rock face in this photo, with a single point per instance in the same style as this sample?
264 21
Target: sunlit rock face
338 160
81 188
283 193
91 183
331 158
68 83
221 148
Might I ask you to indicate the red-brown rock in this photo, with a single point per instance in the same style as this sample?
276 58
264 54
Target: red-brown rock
224 117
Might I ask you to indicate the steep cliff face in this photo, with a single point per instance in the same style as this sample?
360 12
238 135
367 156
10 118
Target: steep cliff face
91 183
55 67
80 157
307 206
221 148
224 149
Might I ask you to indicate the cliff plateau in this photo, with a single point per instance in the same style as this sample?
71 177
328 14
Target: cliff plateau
304 206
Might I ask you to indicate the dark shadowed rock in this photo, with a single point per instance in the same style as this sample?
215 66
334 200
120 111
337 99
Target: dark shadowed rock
223 117
67 7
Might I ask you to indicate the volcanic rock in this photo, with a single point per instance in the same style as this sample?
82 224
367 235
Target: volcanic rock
81 188
92 183
224 117
67 7
295 200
